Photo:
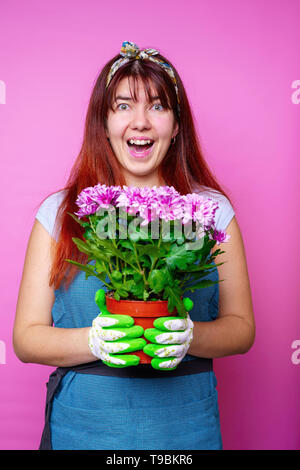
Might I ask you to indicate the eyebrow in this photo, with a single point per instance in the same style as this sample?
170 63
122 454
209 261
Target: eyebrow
128 98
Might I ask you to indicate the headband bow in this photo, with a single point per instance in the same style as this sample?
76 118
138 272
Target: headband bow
129 51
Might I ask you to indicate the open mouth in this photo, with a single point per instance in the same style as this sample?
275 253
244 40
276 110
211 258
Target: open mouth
141 150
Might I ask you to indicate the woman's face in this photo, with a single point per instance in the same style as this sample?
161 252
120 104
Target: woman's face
139 122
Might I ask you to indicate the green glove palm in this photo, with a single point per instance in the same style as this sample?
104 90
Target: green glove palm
112 336
176 333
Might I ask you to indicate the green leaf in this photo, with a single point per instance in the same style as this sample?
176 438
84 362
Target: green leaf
145 295
195 277
166 246
197 268
82 246
110 249
126 244
154 252
217 252
207 247
123 288
129 270
137 277
135 236
102 277
89 235
180 257
83 267
150 250
116 296
138 232
167 275
79 221
116 275
180 240
100 268
137 289
200 285
91 250
173 295
129 284
122 292
156 280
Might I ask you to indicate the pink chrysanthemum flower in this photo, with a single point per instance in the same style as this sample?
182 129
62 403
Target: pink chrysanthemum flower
199 209
151 203
220 236
162 202
94 197
166 203
86 203
106 196
135 200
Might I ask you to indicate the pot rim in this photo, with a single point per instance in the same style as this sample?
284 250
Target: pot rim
133 300
139 308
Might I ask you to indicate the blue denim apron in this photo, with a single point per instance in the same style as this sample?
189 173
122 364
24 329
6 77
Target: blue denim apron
91 411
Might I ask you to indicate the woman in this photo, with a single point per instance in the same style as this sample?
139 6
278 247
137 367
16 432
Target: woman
139 131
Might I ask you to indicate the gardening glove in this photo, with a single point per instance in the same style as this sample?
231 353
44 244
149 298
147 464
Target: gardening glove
174 331
112 335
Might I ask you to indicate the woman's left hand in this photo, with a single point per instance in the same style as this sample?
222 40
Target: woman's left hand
170 340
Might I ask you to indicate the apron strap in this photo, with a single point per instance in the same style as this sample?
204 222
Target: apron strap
52 385
193 366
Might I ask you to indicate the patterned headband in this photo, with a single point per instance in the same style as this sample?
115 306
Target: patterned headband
129 51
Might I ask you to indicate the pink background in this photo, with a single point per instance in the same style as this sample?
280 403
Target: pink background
238 60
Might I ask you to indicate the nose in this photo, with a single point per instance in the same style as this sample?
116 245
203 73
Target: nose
140 119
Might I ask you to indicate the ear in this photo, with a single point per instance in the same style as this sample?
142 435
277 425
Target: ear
176 129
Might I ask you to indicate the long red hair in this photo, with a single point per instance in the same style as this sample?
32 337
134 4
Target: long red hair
183 166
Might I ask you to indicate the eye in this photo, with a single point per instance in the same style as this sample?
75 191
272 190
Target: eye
122 104
159 105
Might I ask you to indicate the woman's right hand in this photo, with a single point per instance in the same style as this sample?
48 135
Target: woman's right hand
112 336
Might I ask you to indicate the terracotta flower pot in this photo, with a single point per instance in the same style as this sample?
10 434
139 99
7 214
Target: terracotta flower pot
144 314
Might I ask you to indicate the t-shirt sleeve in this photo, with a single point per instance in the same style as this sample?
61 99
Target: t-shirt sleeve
224 213
47 212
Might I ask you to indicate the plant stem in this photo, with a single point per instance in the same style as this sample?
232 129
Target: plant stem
141 271
184 280
116 247
155 259
117 258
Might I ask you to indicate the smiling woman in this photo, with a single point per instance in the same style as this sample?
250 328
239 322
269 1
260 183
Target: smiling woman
139 131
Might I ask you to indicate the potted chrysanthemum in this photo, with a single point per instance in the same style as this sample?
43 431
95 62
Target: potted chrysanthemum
147 246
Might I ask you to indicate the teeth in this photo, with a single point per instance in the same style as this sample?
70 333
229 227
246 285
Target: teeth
140 142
